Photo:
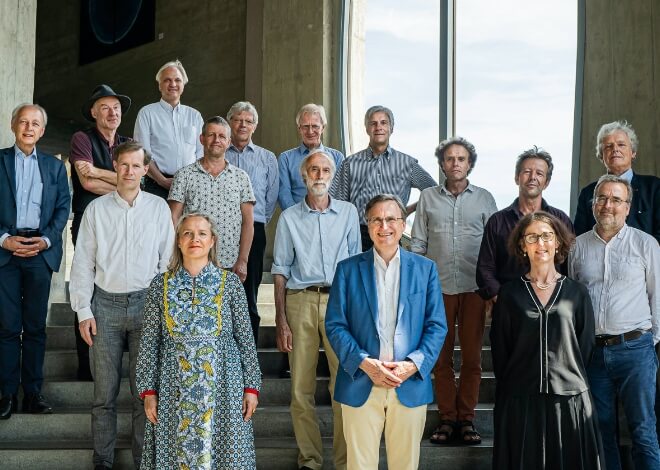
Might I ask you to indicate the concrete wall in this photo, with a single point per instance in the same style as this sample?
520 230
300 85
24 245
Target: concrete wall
621 80
208 36
17 42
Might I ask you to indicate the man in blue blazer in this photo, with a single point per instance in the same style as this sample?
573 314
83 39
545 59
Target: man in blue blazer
616 147
34 209
386 322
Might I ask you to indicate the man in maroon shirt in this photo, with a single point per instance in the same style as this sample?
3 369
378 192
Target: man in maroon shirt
495 265
92 172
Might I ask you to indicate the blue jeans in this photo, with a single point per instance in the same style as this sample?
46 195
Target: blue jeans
627 370
118 324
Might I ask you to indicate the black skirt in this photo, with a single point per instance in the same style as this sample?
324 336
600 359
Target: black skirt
543 431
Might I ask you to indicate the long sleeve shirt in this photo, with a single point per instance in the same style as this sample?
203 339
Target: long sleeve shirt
623 279
120 247
261 166
448 230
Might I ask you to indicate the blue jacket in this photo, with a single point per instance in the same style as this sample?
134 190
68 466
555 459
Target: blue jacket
55 202
351 324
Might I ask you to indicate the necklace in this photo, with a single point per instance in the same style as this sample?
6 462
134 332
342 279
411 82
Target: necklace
546 285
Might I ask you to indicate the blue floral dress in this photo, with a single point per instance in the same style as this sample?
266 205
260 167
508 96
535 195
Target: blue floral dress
197 353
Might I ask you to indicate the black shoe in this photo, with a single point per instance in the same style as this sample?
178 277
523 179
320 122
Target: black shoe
37 404
285 374
8 405
100 467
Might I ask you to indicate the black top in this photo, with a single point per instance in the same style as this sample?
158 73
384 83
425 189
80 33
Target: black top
542 349
644 208
495 265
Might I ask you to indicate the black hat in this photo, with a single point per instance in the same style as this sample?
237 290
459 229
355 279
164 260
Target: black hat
102 91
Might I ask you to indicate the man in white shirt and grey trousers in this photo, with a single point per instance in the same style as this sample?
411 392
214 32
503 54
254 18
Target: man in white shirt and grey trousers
126 237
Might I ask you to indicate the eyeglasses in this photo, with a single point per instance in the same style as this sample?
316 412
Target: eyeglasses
247 122
378 221
532 238
616 201
312 127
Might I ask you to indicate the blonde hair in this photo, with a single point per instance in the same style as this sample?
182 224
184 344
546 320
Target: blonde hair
176 262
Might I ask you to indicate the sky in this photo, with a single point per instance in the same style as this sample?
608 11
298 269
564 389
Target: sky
515 83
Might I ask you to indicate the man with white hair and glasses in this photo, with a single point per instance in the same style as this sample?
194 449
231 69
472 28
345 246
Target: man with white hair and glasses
169 130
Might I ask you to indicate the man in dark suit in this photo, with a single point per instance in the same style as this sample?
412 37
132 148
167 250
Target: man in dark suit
386 322
616 147
34 209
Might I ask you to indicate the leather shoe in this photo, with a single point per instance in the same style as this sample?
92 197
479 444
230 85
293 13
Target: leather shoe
36 403
8 404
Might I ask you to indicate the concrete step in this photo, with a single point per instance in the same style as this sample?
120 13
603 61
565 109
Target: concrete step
272 454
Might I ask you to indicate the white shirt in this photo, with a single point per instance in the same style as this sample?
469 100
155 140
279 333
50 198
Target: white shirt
387 291
623 279
120 247
170 134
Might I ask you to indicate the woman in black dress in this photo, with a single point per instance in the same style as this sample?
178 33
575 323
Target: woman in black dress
542 335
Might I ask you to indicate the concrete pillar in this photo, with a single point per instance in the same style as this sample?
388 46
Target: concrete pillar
621 80
18 20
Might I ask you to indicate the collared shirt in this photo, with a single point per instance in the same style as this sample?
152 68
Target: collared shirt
170 134
364 175
220 197
29 189
387 288
292 188
627 175
623 279
309 243
448 230
261 166
496 265
120 247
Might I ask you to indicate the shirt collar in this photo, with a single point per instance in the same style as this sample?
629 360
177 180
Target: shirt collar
18 152
304 150
250 146
443 188
119 200
386 153
228 167
627 175
379 262
618 235
168 107
331 207
514 207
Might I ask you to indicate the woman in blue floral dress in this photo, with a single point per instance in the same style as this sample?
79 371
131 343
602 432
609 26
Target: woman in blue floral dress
197 368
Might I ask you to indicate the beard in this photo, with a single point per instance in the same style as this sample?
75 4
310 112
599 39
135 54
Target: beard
317 187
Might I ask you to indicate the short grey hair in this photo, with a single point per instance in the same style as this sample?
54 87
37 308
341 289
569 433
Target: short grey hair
312 153
456 140
311 108
385 198
241 106
535 152
379 109
612 179
17 110
219 120
609 129
177 65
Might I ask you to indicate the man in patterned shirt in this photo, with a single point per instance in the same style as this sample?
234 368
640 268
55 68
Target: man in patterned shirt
213 186
377 170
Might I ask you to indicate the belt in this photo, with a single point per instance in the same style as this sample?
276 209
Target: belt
28 232
319 289
613 340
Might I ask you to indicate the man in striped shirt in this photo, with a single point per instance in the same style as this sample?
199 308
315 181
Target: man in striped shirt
378 169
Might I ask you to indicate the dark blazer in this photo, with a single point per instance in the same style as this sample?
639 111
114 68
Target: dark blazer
644 209
55 202
351 323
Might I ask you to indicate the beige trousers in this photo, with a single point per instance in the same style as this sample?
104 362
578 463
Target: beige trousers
364 425
305 313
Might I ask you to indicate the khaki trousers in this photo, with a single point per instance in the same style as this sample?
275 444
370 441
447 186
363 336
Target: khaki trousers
305 313
457 403
364 425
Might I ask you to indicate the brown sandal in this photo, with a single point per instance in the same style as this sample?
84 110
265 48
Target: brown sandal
469 434
443 437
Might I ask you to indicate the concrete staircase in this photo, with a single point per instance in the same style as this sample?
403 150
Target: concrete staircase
63 440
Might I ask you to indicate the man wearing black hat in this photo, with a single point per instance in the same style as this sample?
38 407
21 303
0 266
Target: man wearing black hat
91 158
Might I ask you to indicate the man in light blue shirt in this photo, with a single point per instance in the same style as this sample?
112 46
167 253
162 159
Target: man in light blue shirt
169 130
261 166
312 237
311 121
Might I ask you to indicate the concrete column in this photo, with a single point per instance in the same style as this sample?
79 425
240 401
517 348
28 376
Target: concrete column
18 19
621 80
